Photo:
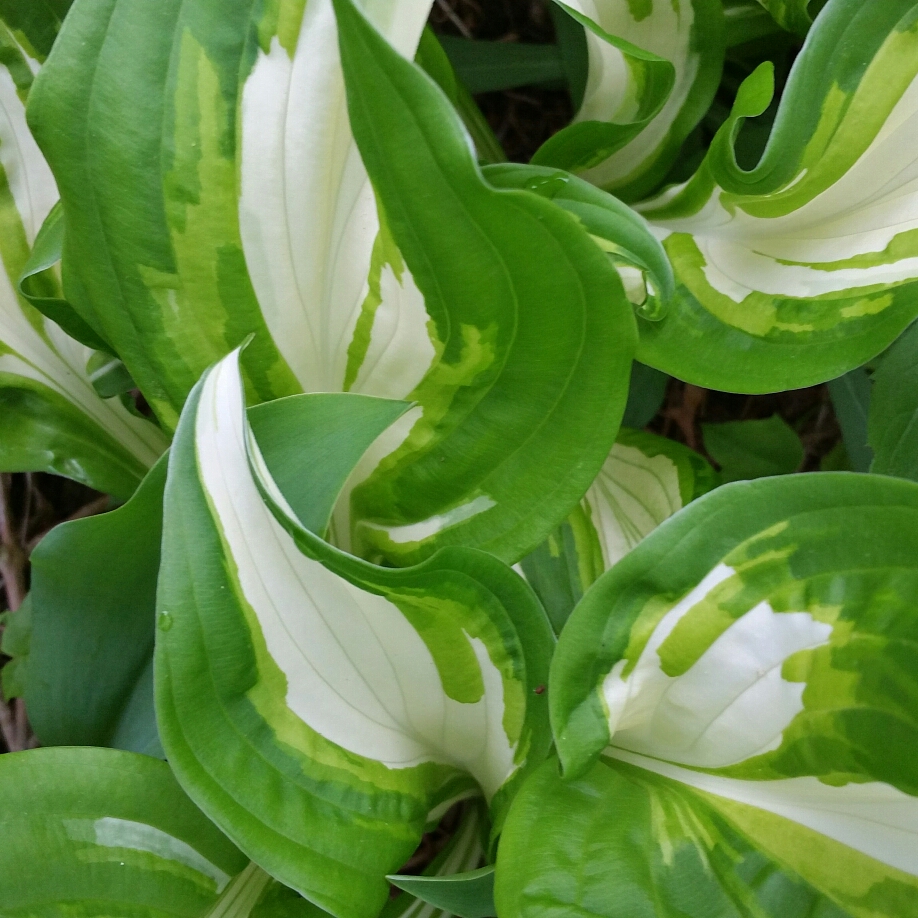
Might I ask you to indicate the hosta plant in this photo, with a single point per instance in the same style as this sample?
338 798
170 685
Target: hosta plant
389 541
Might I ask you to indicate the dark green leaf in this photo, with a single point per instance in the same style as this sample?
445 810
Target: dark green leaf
753 449
851 400
17 638
645 395
94 600
488 66
893 423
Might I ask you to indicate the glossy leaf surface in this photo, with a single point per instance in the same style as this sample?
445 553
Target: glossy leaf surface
318 707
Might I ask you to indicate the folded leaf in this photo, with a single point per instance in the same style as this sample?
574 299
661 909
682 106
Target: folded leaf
90 680
806 266
753 650
654 69
644 481
893 422
318 707
51 418
94 832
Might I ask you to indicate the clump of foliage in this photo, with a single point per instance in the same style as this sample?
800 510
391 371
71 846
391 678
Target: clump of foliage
390 538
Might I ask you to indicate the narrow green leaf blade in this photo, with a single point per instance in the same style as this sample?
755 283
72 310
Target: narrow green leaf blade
466 895
893 422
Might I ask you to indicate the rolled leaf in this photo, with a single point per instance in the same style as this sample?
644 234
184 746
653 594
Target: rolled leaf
51 418
806 266
654 67
317 707
99 832
90 680
754 652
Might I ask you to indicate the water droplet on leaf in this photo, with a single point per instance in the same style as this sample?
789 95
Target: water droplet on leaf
164 620
548 186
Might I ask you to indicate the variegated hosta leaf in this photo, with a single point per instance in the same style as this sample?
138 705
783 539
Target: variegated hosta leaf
51 418
490 309
760 649
653 848
644 481
806 266
626 88
90 832
317 707
530 324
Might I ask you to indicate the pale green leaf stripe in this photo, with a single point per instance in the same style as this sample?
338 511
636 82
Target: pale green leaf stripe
42 370
652 848
806 266
521 408
751 649
100 832
690 35
139 103
369 695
